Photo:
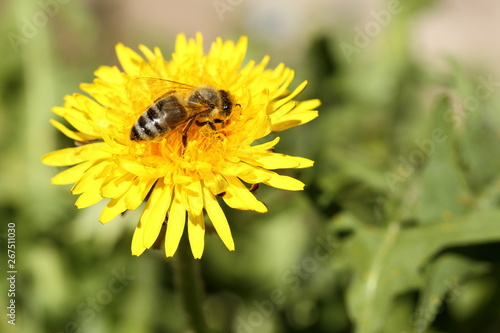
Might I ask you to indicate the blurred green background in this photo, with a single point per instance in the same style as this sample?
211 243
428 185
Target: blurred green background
397 231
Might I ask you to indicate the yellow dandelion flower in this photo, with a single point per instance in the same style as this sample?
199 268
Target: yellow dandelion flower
183 168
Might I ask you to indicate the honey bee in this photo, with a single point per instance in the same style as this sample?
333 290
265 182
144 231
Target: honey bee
183 105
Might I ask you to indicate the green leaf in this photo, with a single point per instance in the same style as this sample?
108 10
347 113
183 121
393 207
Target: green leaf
442 183
443 276
387 262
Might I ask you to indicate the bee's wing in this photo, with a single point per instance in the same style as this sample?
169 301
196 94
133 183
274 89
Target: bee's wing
160 87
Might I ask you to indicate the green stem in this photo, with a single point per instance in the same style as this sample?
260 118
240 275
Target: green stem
188 280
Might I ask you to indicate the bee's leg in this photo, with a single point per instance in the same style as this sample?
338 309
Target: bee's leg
185 130
212 125
219 121
209 123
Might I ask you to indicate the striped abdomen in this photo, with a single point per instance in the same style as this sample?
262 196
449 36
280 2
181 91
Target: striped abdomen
160 118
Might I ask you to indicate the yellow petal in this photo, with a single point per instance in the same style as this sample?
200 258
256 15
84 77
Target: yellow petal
216 183
277 114
110 74
116 185
112 210
286 76
144 171
283 124
129 60
291 96
239 197
255 175
250 68
78 110
62 157
285 183
308 105
267 145
137 240
94 151
218 218
93 177
78 136
180 44
175 225
194 197
302 113
155 212
106 87
88 198
228 53
150 56
277 161
75 155
196 233
71 175
138 192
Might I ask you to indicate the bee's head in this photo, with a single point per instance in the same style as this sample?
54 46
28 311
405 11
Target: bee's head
226 103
